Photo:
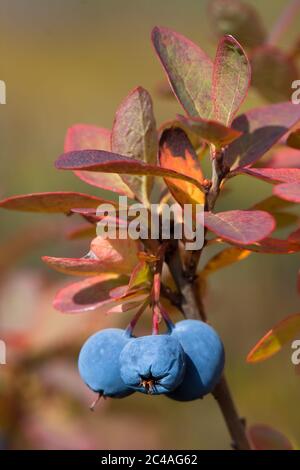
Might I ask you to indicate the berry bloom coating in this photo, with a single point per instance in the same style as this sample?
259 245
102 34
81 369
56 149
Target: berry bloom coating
204 359
153 364
98 362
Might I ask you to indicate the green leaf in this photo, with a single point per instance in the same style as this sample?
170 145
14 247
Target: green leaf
134 135
231 79
140 275
188 68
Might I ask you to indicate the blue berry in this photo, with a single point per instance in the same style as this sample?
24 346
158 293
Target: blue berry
98 362
153 364
204 359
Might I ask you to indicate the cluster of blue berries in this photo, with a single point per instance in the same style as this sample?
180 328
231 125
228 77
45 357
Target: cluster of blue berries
185 364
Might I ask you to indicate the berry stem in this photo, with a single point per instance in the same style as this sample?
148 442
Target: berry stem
166 318
132 324
96 401
155 294
156 317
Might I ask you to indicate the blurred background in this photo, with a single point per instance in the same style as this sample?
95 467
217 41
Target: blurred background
73 62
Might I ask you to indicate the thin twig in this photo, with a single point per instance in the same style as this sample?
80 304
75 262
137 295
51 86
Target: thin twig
235 424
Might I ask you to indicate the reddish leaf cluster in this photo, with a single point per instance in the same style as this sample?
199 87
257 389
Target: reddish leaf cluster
127 159
123 275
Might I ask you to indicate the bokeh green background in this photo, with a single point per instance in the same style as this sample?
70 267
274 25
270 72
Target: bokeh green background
73 62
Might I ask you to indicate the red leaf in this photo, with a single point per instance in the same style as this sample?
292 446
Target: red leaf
86 136
231 79
188 68
176 152
240 227
294 237
118 254
86 295
76 266
262 128
284 157
108 181
264 437
82 137
288 191
54 202
275 246
106 255
83 231
134 135
211 131
99 160
286 175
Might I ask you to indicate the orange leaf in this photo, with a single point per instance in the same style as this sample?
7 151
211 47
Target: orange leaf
275 339
223 259
176 153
